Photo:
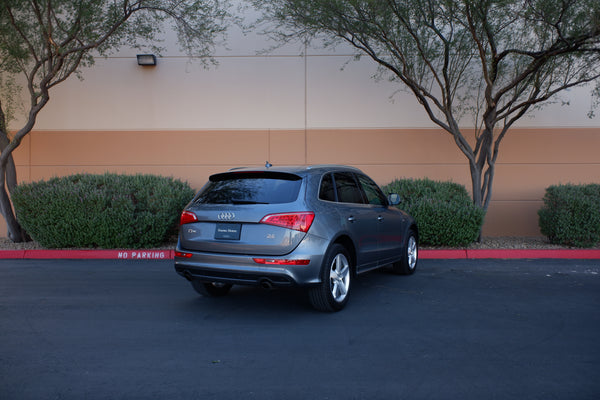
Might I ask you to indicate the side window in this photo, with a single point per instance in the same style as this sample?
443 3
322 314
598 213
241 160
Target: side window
327 190
374 194
347 188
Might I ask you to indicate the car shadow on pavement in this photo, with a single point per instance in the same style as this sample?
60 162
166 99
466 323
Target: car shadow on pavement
253 301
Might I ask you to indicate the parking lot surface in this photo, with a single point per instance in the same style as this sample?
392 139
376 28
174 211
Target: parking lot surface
457 329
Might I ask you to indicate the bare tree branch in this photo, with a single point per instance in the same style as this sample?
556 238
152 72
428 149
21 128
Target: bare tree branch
492 58
49 40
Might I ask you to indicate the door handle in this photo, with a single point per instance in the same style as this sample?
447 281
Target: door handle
380 218
351 219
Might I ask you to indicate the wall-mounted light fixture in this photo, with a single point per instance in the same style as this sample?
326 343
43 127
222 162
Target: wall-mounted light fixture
146 59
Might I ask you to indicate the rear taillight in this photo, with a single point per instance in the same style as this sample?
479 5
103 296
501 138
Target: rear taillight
299 221
187 217
182 254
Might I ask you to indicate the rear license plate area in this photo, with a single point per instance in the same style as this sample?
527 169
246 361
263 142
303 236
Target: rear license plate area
228 231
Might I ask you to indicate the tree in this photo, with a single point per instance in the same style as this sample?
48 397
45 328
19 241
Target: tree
44 42
492 60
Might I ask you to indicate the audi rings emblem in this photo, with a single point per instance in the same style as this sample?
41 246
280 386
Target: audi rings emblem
226 216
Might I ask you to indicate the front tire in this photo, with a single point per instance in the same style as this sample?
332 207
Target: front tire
336 273
211 289
410 253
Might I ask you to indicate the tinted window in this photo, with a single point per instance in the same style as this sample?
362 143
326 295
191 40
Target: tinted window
374 194
327 189
347 188
250 188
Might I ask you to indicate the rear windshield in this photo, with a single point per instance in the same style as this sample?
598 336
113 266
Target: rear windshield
250 188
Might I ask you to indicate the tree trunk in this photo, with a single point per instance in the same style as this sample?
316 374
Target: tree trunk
15 232
476 184
8 181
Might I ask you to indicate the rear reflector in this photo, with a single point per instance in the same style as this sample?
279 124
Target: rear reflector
299 221
187 217
274 261
182 254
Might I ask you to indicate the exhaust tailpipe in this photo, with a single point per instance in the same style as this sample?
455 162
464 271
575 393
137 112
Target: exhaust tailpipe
187 275
266 284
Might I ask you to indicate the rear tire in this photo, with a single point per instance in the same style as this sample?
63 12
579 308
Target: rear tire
336 273
211 289
410 251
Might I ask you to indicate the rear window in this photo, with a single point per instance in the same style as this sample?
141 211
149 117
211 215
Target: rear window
250 188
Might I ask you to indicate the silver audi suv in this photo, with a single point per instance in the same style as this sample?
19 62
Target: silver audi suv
317 227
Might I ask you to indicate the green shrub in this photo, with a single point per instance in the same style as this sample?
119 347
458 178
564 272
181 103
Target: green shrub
444 212
106 211
571 215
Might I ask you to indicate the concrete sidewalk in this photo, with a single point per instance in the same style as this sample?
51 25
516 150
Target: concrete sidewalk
442 254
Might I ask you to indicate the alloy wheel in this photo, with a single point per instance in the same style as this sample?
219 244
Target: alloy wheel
339 276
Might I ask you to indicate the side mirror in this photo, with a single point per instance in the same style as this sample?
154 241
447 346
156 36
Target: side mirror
394 199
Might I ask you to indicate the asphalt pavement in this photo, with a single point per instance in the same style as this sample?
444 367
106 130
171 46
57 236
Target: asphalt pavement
457 329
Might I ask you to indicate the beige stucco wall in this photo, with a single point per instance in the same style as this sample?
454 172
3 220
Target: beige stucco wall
293 105
531 159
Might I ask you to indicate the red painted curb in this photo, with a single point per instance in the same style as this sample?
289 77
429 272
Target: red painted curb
7 254
89 254
441 254
534 253
584 254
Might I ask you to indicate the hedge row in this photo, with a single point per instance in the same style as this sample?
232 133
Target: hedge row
444 211
141 211
571 215
105 211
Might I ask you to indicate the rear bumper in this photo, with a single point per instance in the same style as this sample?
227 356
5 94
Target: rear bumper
266 279
243 270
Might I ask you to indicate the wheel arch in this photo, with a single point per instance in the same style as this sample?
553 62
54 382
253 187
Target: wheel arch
348 244
413 226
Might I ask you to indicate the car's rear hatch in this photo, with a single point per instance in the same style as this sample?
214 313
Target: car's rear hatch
228 214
